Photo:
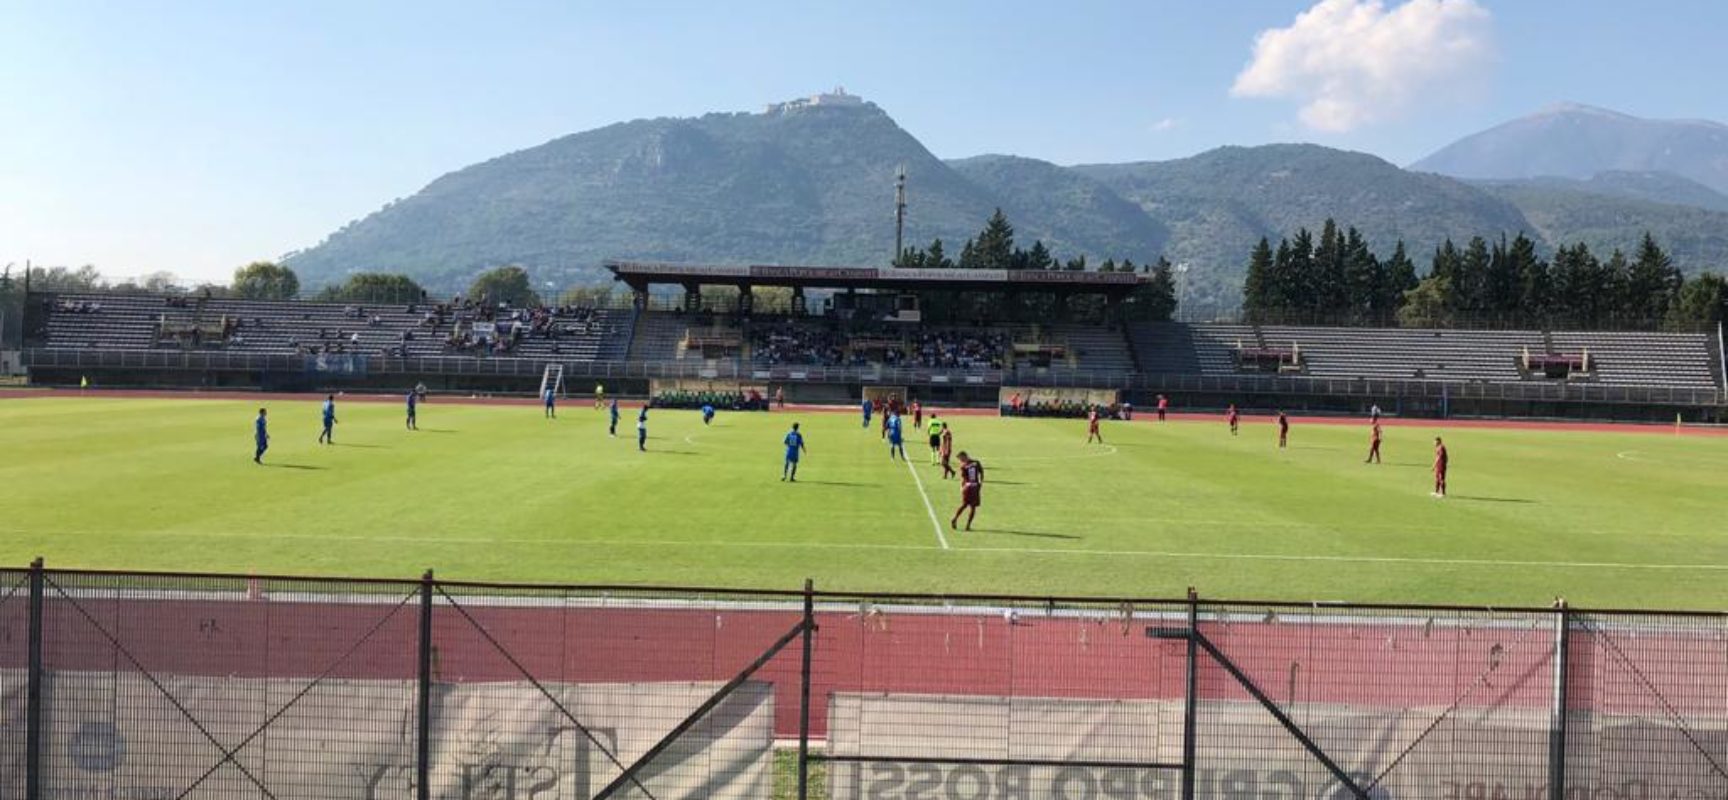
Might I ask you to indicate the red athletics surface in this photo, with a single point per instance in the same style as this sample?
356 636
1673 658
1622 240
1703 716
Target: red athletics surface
1140 416
1373 662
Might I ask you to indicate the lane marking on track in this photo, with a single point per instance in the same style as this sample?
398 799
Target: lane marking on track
1173 554
935 523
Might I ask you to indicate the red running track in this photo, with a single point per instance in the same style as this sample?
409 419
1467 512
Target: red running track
1141 416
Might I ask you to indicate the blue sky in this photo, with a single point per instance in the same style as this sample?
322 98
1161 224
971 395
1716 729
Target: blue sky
194 136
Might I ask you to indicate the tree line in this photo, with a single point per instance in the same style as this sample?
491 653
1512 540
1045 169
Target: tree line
994 248
1336 278
267 280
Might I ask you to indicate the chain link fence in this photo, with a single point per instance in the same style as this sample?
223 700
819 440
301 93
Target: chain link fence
122 685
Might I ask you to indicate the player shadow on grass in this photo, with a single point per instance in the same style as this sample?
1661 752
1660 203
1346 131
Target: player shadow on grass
434 430
1478 499
848 484
292 466
1036 534
362 446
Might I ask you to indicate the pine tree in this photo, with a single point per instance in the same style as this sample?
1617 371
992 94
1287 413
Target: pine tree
1469 285
1256 286
1500 289
969 258
1652 284
1398 278
1613 304
1578 285
1535 289
1076 264
934 258
995 244
1361 282
1039 256
1156 300
1301 282
1327 293
1279 287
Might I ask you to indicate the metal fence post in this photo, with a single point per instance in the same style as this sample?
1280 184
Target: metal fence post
804 691
33 698
1190 704
423 718
1557 725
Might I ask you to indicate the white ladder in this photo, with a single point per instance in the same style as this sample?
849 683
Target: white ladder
552 379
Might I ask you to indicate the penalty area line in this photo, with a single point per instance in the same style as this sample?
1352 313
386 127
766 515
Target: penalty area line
935 523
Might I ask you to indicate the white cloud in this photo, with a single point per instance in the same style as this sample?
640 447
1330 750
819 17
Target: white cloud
1166 124
1353 63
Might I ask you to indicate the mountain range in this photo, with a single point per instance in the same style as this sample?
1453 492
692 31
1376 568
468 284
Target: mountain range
813 184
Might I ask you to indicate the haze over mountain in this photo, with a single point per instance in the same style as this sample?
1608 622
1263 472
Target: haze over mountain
1578 141
812 183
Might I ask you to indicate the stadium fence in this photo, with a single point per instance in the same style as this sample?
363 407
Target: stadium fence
176 685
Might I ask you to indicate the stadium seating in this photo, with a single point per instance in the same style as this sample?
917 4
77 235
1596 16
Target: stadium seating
1673 360
124 322
1405 354
1096 348
133 322
1666 360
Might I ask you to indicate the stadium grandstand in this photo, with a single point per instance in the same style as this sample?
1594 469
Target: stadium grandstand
831 331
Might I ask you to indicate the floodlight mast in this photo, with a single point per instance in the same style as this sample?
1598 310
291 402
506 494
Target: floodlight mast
899 214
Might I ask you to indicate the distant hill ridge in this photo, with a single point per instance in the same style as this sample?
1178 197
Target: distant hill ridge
813 183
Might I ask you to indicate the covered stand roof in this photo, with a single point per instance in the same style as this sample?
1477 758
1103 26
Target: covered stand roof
640 275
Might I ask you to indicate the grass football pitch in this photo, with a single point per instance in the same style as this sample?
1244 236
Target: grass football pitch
494 492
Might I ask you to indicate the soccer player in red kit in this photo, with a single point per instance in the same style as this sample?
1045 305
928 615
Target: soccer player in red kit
1374 446
946 450
1092 426
971 490
1283 430
1440 460
917 415
1232 417
1163 406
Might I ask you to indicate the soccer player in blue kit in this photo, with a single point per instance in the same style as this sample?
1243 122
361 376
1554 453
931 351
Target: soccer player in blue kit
794 448
896 442
260 437
328 435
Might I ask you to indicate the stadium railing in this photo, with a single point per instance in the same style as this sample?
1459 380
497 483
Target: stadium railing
1247 384
135 684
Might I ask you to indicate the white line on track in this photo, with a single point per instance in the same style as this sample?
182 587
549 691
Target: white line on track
934 522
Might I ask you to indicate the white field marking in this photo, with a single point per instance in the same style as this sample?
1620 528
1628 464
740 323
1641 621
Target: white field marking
690 439
935 523
1640 457
1109 450
1482 562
